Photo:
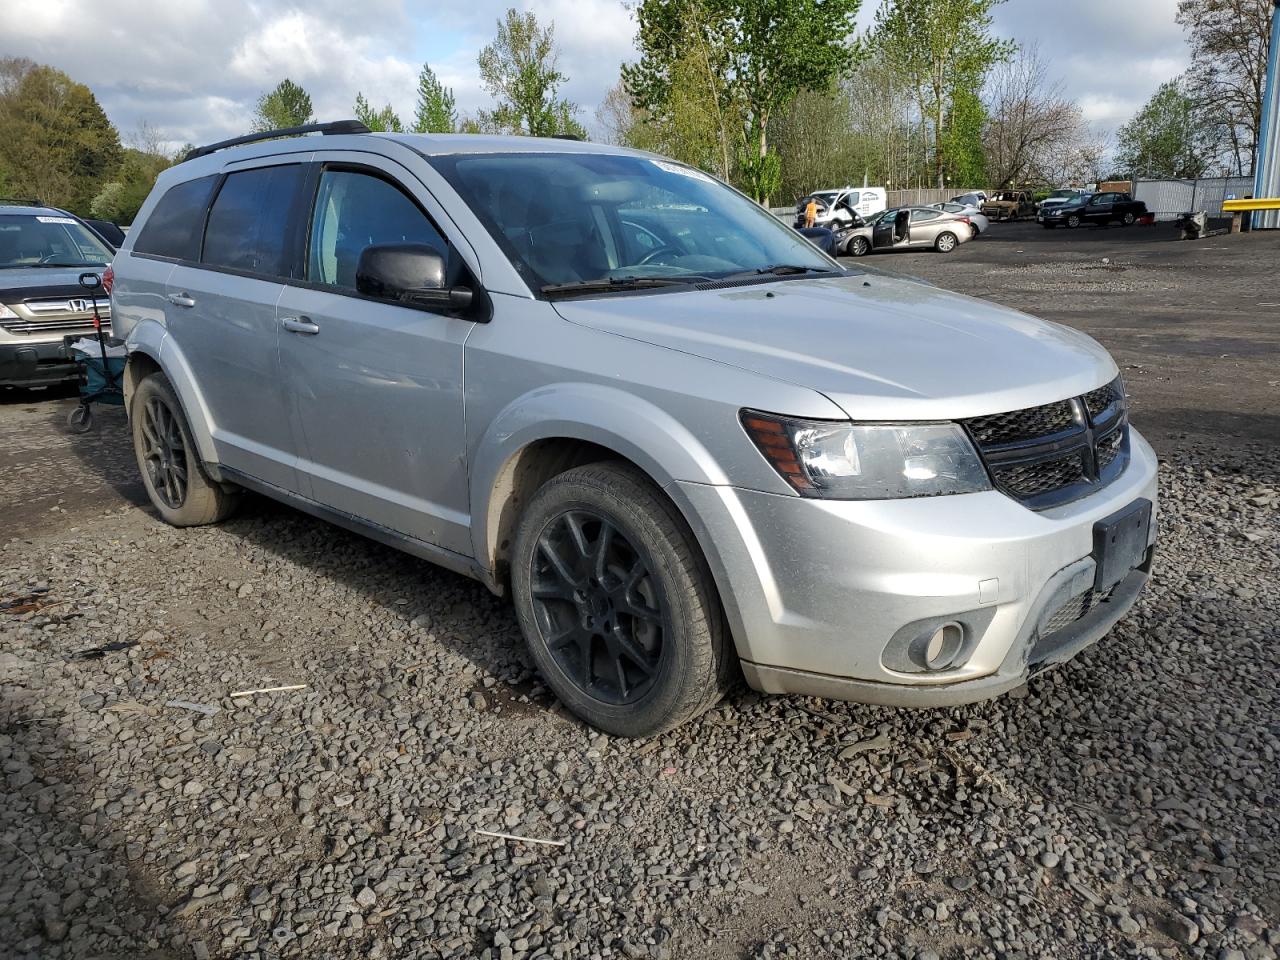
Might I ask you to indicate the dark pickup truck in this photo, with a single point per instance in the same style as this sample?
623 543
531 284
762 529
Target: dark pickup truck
1098 208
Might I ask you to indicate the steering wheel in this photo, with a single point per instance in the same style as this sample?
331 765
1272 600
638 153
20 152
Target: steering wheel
652 255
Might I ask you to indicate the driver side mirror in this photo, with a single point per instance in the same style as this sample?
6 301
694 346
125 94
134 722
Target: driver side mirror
409 273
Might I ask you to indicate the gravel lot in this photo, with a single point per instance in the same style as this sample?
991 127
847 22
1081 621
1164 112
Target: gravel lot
1125 805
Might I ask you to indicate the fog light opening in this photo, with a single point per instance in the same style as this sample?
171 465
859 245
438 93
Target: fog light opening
942 646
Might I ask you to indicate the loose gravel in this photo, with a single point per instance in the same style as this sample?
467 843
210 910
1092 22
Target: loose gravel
1124 805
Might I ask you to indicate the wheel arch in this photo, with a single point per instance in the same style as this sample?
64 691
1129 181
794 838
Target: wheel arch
533 440
152 350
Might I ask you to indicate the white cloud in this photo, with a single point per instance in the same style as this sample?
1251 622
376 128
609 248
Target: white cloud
194 68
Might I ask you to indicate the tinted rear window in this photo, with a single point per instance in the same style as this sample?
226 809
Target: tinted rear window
250 221
173 229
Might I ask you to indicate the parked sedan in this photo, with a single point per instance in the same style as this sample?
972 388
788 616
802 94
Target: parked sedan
905 228
977 219
1099 208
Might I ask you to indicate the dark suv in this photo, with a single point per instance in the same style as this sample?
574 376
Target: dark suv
1100 208
43 251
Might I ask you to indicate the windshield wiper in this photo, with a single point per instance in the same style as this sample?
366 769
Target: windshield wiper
64 266
778 270
606 284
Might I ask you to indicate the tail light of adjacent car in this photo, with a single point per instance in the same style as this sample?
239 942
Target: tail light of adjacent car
108 280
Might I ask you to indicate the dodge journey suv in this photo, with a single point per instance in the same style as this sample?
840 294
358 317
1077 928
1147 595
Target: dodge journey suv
689 446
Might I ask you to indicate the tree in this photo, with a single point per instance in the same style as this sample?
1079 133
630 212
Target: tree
1169 137
519 70
381 121
1229 45
1032 127
56 142
943 48
288 105
120 199
754 56
437 111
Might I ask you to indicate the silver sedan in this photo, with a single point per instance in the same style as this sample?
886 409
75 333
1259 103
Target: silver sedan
977 219
904 228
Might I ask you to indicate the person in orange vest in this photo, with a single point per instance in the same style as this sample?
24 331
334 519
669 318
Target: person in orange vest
811 212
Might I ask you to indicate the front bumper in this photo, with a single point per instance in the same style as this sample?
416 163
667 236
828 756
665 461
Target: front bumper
818 592
35 364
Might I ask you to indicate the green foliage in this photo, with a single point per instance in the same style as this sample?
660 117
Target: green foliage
519 70
1169 137
55 141
288 105
742 61
380 121
120 199
966 161
437 112
943 48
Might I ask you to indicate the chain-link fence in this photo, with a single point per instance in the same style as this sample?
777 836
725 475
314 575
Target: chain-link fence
1169 198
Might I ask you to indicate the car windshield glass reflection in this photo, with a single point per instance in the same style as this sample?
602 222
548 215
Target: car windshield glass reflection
597 219
49 241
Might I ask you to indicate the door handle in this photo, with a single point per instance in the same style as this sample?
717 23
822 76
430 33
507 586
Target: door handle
299 325
181 300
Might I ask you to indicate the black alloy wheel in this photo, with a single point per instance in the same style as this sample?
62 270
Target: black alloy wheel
164 452
599 609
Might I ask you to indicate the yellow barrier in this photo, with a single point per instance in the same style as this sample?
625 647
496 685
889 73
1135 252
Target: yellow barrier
1244 206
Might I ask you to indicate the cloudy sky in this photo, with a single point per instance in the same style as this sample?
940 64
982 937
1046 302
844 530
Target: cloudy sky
194 68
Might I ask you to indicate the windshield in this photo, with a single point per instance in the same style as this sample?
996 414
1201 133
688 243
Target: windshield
568 218
28 240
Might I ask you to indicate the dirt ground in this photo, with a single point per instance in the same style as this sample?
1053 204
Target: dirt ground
1122 806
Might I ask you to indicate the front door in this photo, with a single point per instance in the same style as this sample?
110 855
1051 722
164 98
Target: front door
376 385
1100 207
222 312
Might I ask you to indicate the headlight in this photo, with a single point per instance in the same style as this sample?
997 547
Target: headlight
868 461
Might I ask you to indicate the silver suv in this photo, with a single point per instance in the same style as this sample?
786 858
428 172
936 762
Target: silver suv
687 444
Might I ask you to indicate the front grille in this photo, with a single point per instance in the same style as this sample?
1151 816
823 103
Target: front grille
1020 424
1033 478
56 315
1058 452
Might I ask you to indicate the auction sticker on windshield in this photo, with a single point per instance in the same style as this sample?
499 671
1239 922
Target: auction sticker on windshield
56 219
682 171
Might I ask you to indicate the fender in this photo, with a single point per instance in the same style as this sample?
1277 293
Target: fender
152 338
635 428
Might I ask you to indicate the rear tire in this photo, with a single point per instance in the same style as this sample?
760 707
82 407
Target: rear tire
180 490
858 247
946 242
1128 219
617 603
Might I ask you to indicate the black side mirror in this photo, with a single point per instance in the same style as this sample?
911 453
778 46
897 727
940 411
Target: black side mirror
409 273
90 281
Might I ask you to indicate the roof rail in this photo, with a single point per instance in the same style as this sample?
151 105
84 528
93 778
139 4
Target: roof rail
22 201
336 126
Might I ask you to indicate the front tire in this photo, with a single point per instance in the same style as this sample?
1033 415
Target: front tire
1073 221
617 603
180 490
946 242
858 247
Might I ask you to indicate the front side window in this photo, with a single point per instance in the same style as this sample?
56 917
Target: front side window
355 210
580 218
250 221
172 231
49 240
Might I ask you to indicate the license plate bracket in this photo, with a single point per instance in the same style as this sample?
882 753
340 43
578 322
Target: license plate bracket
1120 543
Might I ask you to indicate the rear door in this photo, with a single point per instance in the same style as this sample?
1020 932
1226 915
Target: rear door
376 385
222 314
925 224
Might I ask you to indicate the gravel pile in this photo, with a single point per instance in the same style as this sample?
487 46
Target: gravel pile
1125 805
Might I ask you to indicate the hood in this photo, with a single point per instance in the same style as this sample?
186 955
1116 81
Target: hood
27 283
882 348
